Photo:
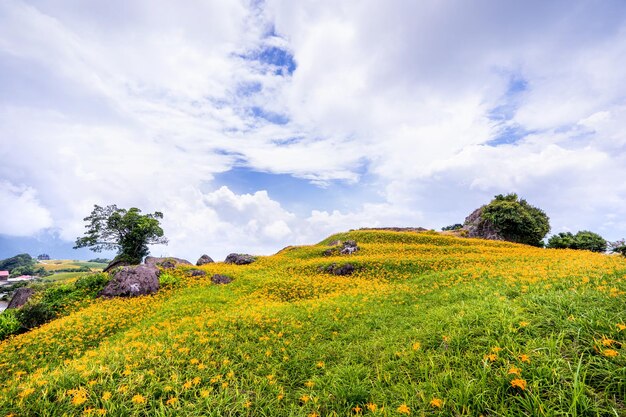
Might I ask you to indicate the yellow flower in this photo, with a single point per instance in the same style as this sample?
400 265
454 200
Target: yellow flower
357 409
139 399
523 323
187 385
416 345
610 353
320 364
621 326
519 383
305 398
492 357
404 409
309 384
172 401
524 358
26 392
204 393
496 349
436 402
514 371
106 395
607 342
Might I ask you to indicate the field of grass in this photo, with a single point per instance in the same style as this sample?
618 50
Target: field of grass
63 264
428 325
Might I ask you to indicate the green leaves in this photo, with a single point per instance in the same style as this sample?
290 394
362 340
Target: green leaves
128 231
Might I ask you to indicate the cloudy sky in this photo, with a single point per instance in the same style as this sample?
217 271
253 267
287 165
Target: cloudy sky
256 124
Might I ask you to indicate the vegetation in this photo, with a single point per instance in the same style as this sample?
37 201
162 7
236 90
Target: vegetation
583 240
100 260
516 220
618 247
22 264
51 300
127 231
456 226
428 324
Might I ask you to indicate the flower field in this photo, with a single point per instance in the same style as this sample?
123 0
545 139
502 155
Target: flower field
428 324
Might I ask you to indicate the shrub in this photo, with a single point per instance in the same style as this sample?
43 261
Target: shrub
516 220
618 247
9 323
92 284
583 240
456 226
34 314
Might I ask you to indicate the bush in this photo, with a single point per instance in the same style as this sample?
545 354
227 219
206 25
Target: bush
92 284
456 226
9 323
516 220
34 314
583 240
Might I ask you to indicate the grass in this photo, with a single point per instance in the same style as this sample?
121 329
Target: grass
66 264
428 325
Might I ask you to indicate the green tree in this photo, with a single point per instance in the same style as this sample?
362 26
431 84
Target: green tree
127 231
583 240
618 247
516 220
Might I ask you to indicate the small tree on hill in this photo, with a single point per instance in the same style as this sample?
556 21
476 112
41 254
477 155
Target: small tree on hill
583 240
516 220
618 247
127 231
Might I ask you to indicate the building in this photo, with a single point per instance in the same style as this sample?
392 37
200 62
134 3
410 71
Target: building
4 275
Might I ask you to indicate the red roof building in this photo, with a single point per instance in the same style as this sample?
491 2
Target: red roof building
4 275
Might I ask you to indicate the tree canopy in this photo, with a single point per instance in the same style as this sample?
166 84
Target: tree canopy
583 240
127 231
516 220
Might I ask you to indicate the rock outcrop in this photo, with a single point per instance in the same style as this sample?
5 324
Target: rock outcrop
165 263
203 260
20 297
346 248
197 273
239 259
334 269
476 226
221 279
131 281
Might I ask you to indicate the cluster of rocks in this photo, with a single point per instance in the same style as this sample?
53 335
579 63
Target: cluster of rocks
239 259
342 270
338 248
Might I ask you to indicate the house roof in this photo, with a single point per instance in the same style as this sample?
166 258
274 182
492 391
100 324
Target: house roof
4 273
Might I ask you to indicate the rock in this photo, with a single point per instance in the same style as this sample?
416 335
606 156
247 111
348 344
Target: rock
203 260
165 263
349 247
476 226
197 273
239 259
221 279
20 297
132 281
345 269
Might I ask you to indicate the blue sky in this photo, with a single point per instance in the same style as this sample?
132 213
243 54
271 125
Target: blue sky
253 125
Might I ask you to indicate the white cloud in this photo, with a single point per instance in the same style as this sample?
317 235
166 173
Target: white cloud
143 103
21 213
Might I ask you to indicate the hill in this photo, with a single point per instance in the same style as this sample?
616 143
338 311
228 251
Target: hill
428 324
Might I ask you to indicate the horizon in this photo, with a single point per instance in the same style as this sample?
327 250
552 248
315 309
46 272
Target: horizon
257 125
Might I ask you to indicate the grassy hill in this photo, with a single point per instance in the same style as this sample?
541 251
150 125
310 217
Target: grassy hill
428 325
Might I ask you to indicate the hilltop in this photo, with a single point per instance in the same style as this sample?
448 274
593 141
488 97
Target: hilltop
426 324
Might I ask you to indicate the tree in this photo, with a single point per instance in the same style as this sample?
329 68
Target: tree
618 247
127 231
583 240
516 220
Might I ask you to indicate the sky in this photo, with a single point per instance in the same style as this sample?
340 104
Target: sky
253 125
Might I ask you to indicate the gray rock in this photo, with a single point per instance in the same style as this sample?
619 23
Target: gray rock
197 273
20 297
239 259
131 281
203 260
349 247
165 263
345 269
221 279
478 227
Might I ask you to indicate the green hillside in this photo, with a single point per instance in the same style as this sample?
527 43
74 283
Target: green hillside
427 325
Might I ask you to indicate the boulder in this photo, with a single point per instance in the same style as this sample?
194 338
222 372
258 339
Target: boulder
132 281
165 263
203 260
221 279
197 273
476 226
239 259
20 297
349 247
345 269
